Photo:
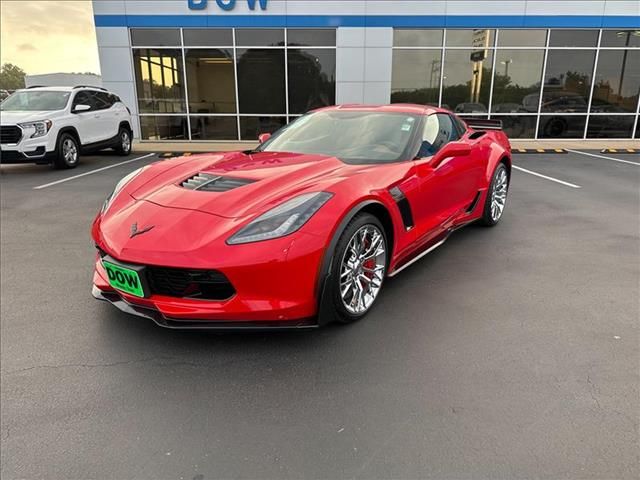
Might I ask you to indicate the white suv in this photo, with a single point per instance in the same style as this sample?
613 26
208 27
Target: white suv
55 124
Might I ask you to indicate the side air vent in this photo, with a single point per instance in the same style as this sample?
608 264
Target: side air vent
206 182
477 134
403 206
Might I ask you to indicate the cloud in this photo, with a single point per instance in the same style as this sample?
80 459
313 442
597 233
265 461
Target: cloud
26 47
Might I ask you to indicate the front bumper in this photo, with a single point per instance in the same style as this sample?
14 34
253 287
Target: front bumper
29 150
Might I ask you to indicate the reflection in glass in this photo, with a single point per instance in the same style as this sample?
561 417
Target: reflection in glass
164 128
573 38
466 83
516 86
152 37
417 38
251 127
214 128
211 81
159 80
610 126
620 38
261 86
312 79
416 76
320 37
561 126
478 38
617 81
567 81
518 126
259 37
208 37
522 38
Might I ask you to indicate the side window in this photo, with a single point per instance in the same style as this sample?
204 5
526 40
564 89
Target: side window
83 98
102 100
462 128
439 130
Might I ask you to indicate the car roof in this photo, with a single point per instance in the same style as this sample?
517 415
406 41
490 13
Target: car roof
408 108
61 89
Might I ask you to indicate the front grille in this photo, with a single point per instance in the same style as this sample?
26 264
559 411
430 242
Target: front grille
205 182
10 134
183 283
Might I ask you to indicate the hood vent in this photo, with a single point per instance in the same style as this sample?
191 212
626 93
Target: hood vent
206 182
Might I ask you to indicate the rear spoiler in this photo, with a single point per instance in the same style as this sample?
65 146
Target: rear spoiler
481 124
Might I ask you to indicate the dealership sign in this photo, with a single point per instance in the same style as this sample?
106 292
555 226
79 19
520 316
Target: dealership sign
226 4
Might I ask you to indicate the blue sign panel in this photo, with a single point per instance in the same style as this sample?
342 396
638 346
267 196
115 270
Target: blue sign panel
226 4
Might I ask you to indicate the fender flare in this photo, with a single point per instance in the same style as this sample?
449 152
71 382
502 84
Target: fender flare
326 312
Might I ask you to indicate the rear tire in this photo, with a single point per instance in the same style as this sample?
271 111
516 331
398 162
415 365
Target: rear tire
124 142
67 152
496 200
360 265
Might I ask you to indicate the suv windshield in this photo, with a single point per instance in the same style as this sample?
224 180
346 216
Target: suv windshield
356 137
35 101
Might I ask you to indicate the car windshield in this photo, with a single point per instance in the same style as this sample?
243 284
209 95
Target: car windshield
35 101
351 136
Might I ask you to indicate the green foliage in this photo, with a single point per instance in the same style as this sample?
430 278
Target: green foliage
11 77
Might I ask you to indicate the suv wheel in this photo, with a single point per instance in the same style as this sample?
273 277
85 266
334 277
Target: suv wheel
67 153
124 142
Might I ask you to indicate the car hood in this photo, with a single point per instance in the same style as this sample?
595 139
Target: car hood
13 118
251 182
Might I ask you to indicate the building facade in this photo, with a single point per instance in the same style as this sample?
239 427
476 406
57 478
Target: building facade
231 69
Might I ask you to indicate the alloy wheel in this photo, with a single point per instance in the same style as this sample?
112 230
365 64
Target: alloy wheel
362 269
499 194
125 139
70 151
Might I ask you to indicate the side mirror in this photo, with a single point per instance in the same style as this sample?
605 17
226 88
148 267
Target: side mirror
263 137
81 108
451 149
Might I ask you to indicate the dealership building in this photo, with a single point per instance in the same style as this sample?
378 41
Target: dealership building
231 69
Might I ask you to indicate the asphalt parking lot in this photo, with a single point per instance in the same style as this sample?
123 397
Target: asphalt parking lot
511 352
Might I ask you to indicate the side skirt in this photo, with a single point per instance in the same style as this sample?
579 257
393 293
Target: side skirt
428 250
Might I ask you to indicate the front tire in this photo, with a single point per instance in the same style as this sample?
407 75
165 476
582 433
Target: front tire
360 263
496 196
124 142
67 153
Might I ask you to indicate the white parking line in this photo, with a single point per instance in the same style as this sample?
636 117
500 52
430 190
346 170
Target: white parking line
91 172
602 156
561 182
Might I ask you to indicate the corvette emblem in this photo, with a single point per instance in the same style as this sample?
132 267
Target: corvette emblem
135 232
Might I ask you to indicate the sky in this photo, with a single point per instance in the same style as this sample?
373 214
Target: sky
48 36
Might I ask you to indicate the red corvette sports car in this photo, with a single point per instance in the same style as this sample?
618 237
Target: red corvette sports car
303 230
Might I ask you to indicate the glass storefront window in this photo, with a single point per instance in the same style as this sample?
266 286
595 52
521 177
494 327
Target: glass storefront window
416 76
516 86
259 37
466 83
208 37
617 81
311 37
567 81
251 127
610 126
417 38
155 37
561 126
470 38
164 128
211 81
518 126
159 80
261 87
573 38
522 38
620 38
214 128
312 79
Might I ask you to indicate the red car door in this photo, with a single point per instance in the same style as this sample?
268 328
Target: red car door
448 173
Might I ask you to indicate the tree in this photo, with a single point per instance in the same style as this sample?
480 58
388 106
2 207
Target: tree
11 77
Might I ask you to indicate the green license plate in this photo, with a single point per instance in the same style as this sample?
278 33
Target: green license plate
124 279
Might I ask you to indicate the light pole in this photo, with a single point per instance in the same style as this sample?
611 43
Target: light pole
506 64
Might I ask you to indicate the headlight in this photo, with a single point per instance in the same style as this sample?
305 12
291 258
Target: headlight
37 129
283 219
119 186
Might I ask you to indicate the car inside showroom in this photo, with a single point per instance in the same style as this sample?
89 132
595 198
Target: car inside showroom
229 70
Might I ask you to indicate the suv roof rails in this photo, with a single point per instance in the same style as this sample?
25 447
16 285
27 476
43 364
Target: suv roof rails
91 86
35 86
